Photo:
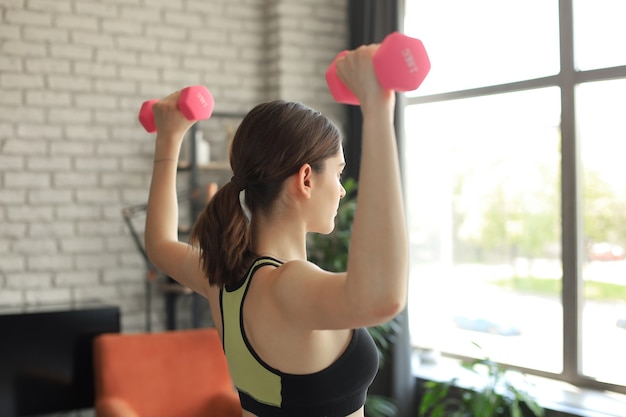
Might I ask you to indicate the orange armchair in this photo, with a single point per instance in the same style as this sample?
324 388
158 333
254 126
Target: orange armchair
175 373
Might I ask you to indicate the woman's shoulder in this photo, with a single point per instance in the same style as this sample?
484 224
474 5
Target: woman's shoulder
302 269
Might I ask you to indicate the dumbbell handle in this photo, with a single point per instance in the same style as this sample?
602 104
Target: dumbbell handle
400 62
195 103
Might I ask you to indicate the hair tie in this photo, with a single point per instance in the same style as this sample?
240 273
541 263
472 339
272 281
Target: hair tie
239 182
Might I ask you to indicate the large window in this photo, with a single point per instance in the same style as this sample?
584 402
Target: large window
516 185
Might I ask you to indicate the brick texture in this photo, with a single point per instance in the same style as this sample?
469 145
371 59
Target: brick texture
73 155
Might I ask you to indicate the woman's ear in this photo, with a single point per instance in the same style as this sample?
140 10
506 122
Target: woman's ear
304 180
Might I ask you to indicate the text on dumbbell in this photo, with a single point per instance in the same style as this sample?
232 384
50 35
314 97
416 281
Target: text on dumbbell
409 60
202 100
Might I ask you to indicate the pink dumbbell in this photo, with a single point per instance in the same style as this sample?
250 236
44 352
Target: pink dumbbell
195 103
401 64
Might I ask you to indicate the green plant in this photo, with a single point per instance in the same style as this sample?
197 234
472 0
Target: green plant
379 406
497 398
330 252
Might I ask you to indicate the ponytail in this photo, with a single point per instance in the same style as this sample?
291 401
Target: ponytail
222 235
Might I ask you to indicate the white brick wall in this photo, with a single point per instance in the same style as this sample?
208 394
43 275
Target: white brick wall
73 74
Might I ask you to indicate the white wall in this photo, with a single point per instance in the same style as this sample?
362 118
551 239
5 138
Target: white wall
73 74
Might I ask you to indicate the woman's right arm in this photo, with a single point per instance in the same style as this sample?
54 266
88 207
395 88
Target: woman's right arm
374 288
377 274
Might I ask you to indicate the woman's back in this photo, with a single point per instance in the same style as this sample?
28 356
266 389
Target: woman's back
282 369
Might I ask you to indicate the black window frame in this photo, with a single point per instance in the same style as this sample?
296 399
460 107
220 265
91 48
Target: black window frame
567 80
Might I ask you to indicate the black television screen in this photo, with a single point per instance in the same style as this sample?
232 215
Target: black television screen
46 359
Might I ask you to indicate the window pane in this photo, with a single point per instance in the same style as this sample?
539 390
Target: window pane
483 199
599 33
601 110
484 42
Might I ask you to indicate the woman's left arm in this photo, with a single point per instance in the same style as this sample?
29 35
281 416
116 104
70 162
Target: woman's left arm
177 259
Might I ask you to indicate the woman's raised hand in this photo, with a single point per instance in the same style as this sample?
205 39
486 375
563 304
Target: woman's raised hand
356 70
168 118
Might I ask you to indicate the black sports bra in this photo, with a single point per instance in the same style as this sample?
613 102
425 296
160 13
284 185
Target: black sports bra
336 391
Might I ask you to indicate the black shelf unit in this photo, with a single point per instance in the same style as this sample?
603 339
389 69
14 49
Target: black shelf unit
172 290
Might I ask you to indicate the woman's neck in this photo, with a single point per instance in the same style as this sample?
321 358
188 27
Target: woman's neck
283 240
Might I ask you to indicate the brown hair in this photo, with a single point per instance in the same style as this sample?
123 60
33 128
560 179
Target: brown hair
272 142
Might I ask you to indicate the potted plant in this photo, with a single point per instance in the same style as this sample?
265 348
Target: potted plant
498 397
330 252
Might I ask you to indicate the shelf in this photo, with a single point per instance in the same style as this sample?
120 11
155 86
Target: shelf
174 288
213 165
195 174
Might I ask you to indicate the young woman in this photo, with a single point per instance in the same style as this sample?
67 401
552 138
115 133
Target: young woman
293 333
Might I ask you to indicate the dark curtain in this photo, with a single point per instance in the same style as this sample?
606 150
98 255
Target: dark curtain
370 21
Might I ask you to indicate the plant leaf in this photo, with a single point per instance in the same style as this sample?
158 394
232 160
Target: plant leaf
380 406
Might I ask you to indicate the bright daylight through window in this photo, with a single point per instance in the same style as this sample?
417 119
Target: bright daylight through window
512 101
